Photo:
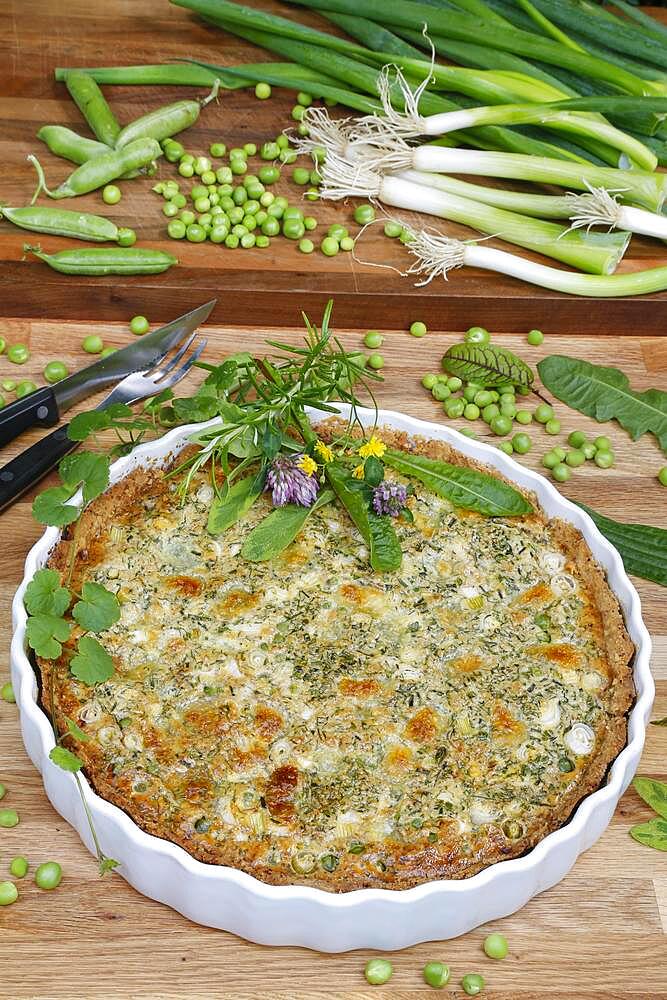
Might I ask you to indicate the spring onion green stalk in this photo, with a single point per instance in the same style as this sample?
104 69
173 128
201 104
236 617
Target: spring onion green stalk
159 74
463 26
343 178
655 28
600 208
436 255
547 26
372 35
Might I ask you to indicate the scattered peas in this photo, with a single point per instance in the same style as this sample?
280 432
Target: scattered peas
217 149
185 169
310 222
483 398
347 244
25 388
187 217
173 151
552 426
454 408
543 413
495 946
418 329
300 175
8 818
8 385
561 473
18 354
111 194
588 449
107 351
329 246
662 476
238 165
169 209
305 100
472 984
48 875
602 443
535 337
363 214
454 383
3 345
287 155
282 141
262 91
507 447
393 229
550 460
202 164
293 228
501 425
428 381
268 174
575 458
477 335
249 148
7 693
576 438
195 233
176 229
139 325
523 417
378 971
248 241
440 392
489 412
436 974
298 112
560 452
126 237
262 241
19 867
376 361
471 412
604 459
232 241
306 246
373 339
55 371
522 443
8 893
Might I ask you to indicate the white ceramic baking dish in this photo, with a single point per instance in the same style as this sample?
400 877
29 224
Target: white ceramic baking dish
224 898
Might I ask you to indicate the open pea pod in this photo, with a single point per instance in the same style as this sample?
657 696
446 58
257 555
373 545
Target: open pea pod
377 531
272 535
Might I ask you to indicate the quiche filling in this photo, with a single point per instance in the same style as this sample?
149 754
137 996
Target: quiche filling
309 721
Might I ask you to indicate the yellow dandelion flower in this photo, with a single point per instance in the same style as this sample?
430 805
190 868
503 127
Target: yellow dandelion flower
373 447
324 451
307 465
358 472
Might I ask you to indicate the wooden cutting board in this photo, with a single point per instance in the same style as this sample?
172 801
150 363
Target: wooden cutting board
270 286
599 934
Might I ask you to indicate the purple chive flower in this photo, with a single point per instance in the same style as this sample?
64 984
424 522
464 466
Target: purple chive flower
389 498
290 484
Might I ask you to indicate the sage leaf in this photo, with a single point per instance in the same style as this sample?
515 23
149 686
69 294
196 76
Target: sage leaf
642 547
654 793
463 487
272 535
487 365
377 531
605 394
241 495
653 833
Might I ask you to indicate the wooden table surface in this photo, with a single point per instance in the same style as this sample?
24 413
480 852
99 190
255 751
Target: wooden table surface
38 35
600 933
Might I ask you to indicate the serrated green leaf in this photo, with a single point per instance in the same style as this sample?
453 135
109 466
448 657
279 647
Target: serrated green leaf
51 507
107 865
377 531
279 529
88 469
98 610
92 664
241 495
76 731
463 487
605 394
223 377
652 834
46 633
654 793
93 421
66 760
45 596
487 365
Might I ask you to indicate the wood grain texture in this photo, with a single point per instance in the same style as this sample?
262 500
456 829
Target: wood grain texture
42 34
598 934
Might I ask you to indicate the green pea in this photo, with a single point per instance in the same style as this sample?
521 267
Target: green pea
266 198
3 345
8 818
501 425
523 417
19 867
185 169
454 408
269 151
378 971
250 222
219 234
217 149
471 412
507 397
24 388
249 148
187 217
169 209
270 226
393 229
436 974
203 204
306 246
232 241
337 231
262 91
173 151
507 447
470 392
543 413
418 329
8 893
48 875
662 476
262 241
602 443
575 458
588 450
7 693
300 175
522 443
139 325
195 233
224 175
454 383
107 351
248 241
297 113
18 354
235 214
604 459
489 412
495 946
8 385
179 200
209 178
363 214
293 229
268 174
550 460
440 392
55 371
238 166
428 381
483 398
240 230
535 337
376 361
472 984
111 194
347 244
477 335
561 473
552 426
560 452
176 229
576 438
304 99
373 340
201 165
329 246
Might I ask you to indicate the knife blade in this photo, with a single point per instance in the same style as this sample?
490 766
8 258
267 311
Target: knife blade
43 407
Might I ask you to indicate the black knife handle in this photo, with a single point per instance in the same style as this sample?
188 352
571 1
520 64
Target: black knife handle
37 409
32 464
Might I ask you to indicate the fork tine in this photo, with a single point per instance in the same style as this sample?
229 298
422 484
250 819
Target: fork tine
170 346
157 372
176 376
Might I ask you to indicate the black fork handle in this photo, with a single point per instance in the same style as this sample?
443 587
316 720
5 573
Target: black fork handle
37 409
33 464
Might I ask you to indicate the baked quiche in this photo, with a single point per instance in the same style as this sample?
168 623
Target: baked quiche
309 721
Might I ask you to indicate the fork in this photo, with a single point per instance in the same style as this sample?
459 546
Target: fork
32 464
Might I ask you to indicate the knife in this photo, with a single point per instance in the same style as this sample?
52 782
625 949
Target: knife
43 407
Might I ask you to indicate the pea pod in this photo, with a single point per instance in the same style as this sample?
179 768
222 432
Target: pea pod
96 173
70 145
92 104
167 121
61 222
105 260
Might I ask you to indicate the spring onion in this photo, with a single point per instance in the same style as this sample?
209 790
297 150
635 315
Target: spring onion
348 178
600 208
